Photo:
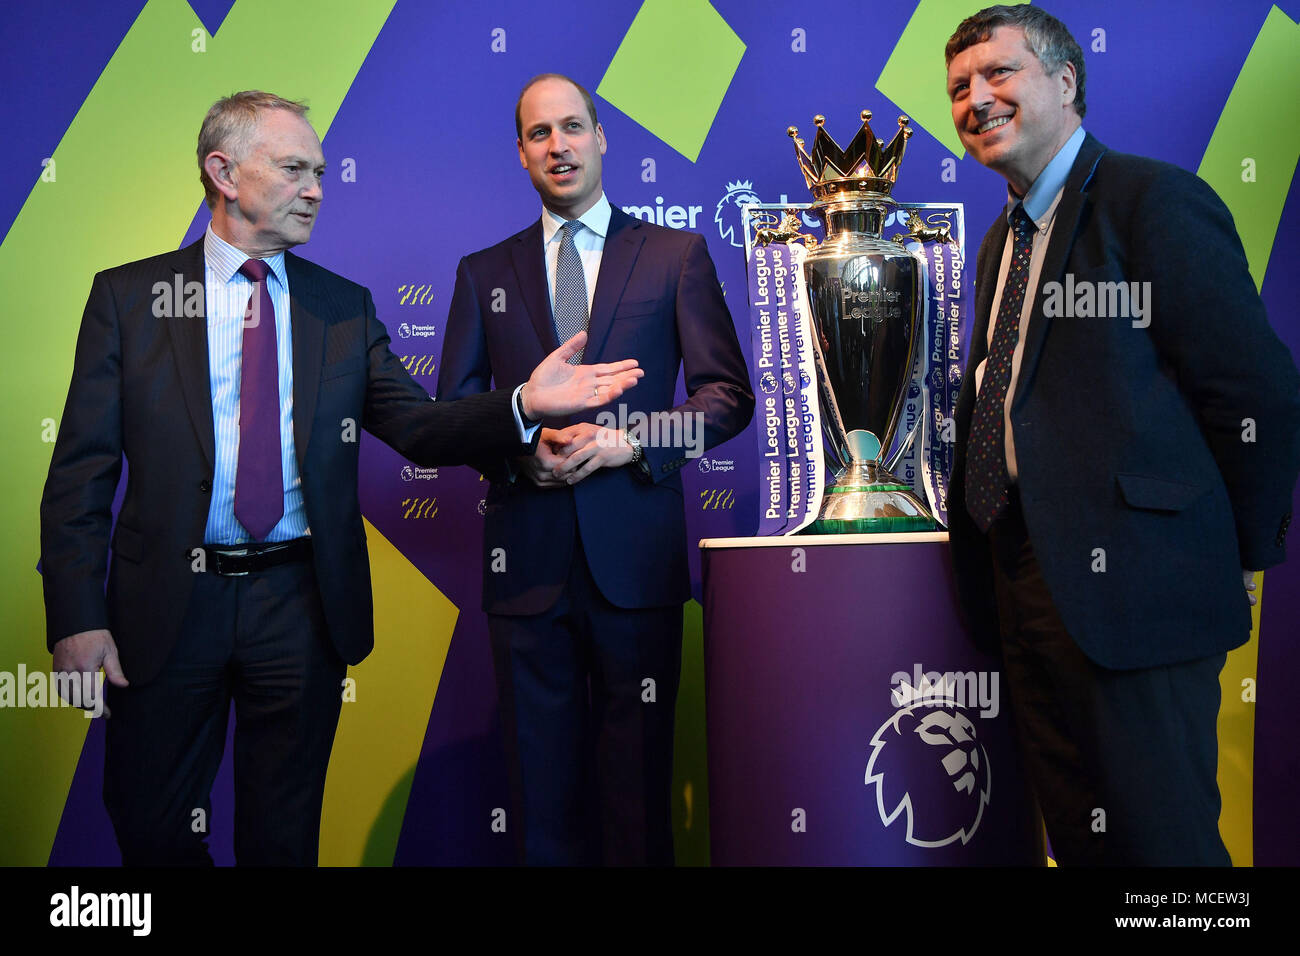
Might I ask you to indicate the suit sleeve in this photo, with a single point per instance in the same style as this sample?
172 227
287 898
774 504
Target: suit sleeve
76 506
1208 322
432 433
466 367
713 366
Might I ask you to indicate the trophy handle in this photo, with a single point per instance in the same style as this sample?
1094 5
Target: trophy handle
906 443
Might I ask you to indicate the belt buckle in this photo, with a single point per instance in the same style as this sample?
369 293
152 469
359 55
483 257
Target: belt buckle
241 553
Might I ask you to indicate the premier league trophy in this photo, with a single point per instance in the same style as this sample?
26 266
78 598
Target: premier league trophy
865 300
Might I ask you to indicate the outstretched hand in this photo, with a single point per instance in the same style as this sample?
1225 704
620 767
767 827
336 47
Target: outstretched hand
558 388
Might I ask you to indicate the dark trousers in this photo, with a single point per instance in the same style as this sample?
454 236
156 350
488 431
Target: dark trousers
259 640
588 691
1123 762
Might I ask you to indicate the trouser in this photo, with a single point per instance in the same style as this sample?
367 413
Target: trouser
1122 762
259 640
588 692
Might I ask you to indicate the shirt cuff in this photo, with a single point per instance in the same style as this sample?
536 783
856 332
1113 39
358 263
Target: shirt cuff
526 432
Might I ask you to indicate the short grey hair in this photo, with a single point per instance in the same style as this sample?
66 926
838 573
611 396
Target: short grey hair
229 126
1045 36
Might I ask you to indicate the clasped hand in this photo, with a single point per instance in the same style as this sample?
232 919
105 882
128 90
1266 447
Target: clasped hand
566 456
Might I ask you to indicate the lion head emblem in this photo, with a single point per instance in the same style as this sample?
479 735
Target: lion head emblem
929 767
728 218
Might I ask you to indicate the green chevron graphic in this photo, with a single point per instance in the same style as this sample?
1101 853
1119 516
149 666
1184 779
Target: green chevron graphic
126 186
1254 126
914 75
672 70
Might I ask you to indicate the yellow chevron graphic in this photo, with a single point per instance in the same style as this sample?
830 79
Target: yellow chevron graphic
420 507
416 295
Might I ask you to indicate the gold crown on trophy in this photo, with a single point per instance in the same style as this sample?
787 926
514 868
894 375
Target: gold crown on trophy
868 165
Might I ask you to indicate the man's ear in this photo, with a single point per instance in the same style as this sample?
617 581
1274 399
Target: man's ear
220 168
1069 84
600 138
523 160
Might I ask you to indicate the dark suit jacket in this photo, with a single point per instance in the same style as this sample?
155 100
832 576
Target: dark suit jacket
1130 439
657 300
140 387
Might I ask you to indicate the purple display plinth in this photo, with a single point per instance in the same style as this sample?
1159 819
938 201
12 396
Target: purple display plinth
850 719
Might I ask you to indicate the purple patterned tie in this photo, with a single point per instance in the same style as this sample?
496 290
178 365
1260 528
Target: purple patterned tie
259 480
987 478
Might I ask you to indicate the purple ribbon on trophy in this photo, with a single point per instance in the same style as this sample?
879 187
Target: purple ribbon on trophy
937 372
769 411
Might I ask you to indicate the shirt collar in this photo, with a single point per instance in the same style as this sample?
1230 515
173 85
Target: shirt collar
224 259
596 219
1040 201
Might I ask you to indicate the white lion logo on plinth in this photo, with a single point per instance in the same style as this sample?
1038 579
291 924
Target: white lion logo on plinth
928 765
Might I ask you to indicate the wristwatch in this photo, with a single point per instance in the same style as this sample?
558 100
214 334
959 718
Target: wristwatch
638 463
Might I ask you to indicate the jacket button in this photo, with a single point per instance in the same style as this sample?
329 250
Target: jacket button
205 486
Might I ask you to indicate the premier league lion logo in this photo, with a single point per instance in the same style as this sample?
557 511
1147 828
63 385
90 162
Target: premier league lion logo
928 765
728 218
767 383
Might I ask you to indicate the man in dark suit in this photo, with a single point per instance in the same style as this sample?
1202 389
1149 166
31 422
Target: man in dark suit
585 563
1125 454
234 377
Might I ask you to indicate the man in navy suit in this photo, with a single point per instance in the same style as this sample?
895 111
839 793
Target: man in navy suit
234 376
585 563
1126 454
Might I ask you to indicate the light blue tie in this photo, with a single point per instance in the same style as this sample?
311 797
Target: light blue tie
570 289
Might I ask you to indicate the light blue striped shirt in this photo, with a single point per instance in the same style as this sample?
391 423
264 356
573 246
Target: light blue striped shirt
227 294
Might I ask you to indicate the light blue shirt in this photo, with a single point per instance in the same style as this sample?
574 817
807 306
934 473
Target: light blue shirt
1040 204
227 294
1047 187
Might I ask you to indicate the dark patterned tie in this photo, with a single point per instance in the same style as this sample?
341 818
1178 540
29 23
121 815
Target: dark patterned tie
987 478
570 289
259 479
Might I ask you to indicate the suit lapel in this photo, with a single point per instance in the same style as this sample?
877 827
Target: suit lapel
623 241
189 341
1065 230
530 270
307 308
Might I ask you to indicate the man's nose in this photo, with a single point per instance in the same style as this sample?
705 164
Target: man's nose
315 191
981 94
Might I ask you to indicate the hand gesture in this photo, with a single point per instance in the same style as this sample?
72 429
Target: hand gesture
558 388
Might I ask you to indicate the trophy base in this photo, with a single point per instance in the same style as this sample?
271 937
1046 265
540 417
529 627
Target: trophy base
866 499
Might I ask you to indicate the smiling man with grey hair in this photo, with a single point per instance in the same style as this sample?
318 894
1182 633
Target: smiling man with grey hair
1108 496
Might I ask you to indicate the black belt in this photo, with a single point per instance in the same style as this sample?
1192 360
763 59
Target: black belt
237 560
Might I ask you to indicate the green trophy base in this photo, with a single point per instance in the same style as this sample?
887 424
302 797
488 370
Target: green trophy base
854 506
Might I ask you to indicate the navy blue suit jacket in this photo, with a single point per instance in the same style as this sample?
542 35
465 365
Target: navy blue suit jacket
657 300
1130 440
140 388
